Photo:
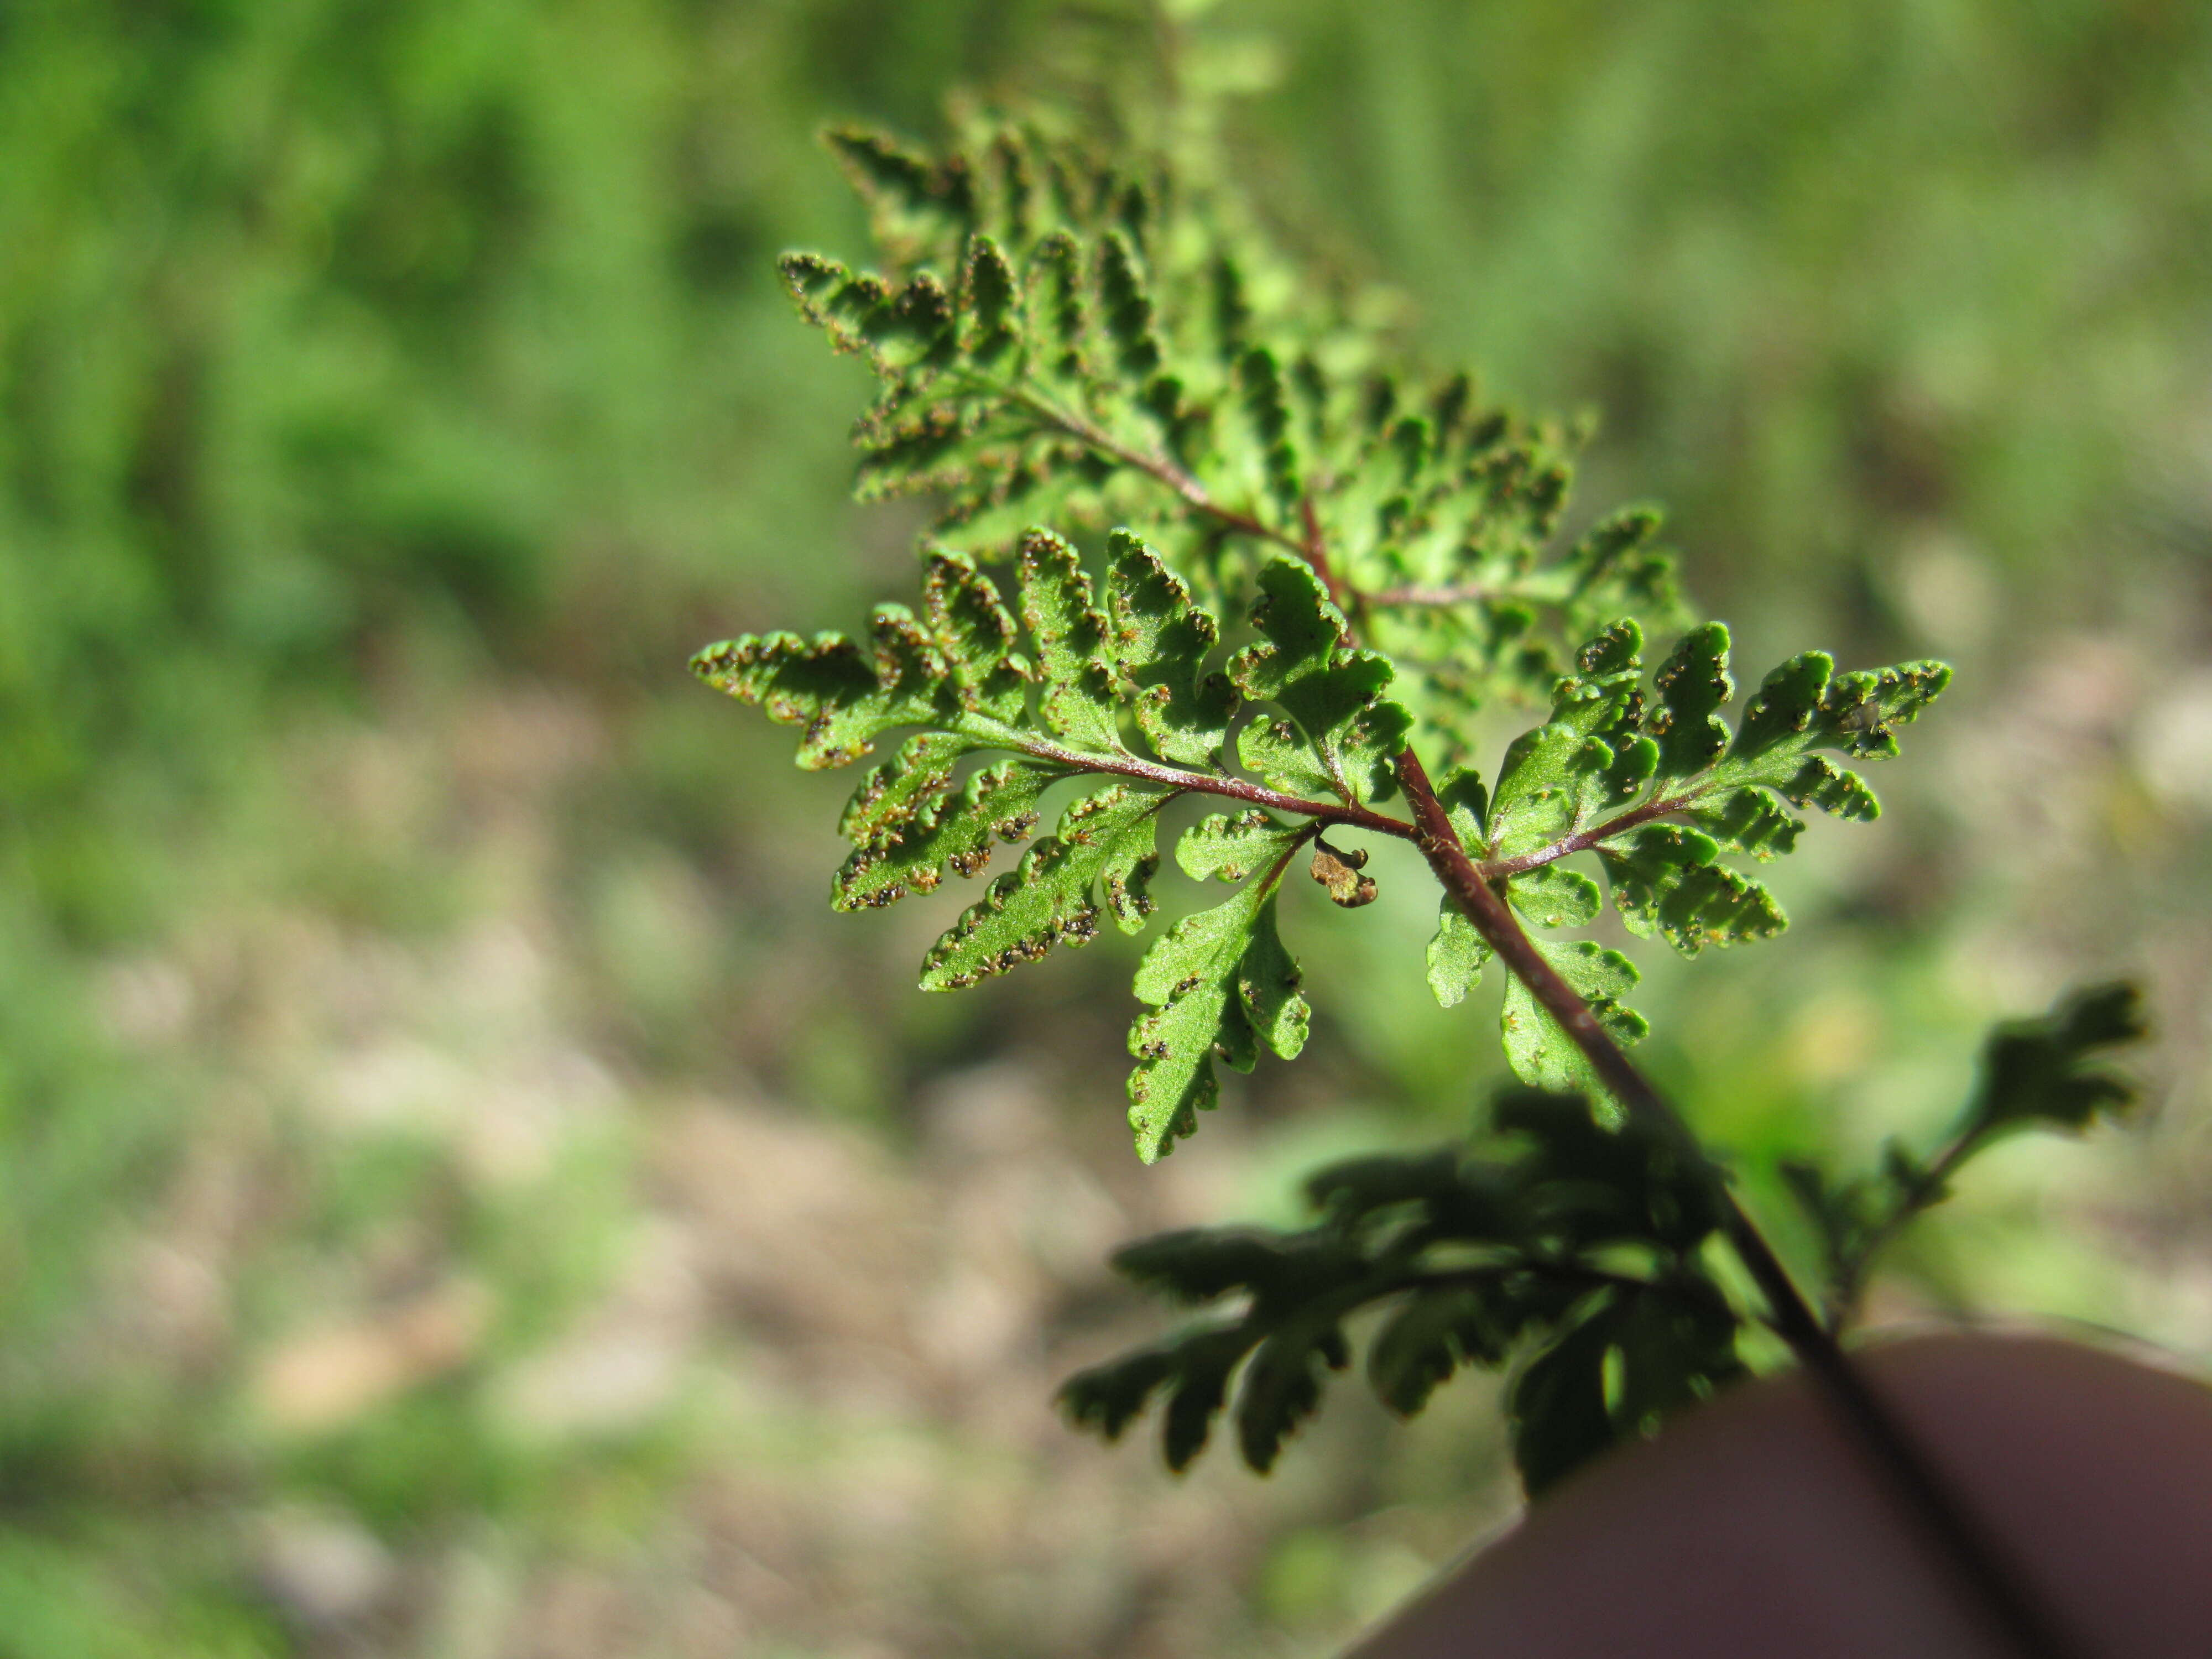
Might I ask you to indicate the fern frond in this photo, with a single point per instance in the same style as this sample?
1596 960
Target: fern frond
1068 342
1060 339
1507 1250
1126 698
1658 789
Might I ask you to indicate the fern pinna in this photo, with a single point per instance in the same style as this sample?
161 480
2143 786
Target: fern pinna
1195 536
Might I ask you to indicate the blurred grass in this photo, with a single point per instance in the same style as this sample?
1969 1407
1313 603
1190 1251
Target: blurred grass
460 1191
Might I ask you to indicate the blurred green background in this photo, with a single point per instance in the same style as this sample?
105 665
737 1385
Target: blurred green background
461 1191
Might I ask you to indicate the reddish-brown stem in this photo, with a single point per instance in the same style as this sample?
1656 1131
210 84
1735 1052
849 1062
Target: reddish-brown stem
1440 844
1158 468
1315 550
1934 1177
1213 783
2010 1603
1582 840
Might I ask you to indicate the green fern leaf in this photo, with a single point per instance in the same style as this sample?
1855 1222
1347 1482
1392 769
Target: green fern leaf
1204 1366
1589 757
2050 1072
1078 703
1550 1202
1665 881
1039 692
1556 1410
1457 952
1108 1398
1282 1386
915 203
1552 896
1692 687
1428 1339
844 697
1221 985
1160 642
1541 1053
1102 857
999 803
1344 737
1607 769
902 788
1064 341
1203 1264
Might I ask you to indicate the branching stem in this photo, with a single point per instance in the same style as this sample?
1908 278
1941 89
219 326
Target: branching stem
1315 550
1850 1271
1582 840
1310 545
1155 466
1349 814
2007 1600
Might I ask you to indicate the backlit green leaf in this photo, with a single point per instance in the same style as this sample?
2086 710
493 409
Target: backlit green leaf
1159 642
1541 1053
1078 703
1664 880
1101 856
1589 757
1220 984
1333 693
999 803
1551 896
1457 953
